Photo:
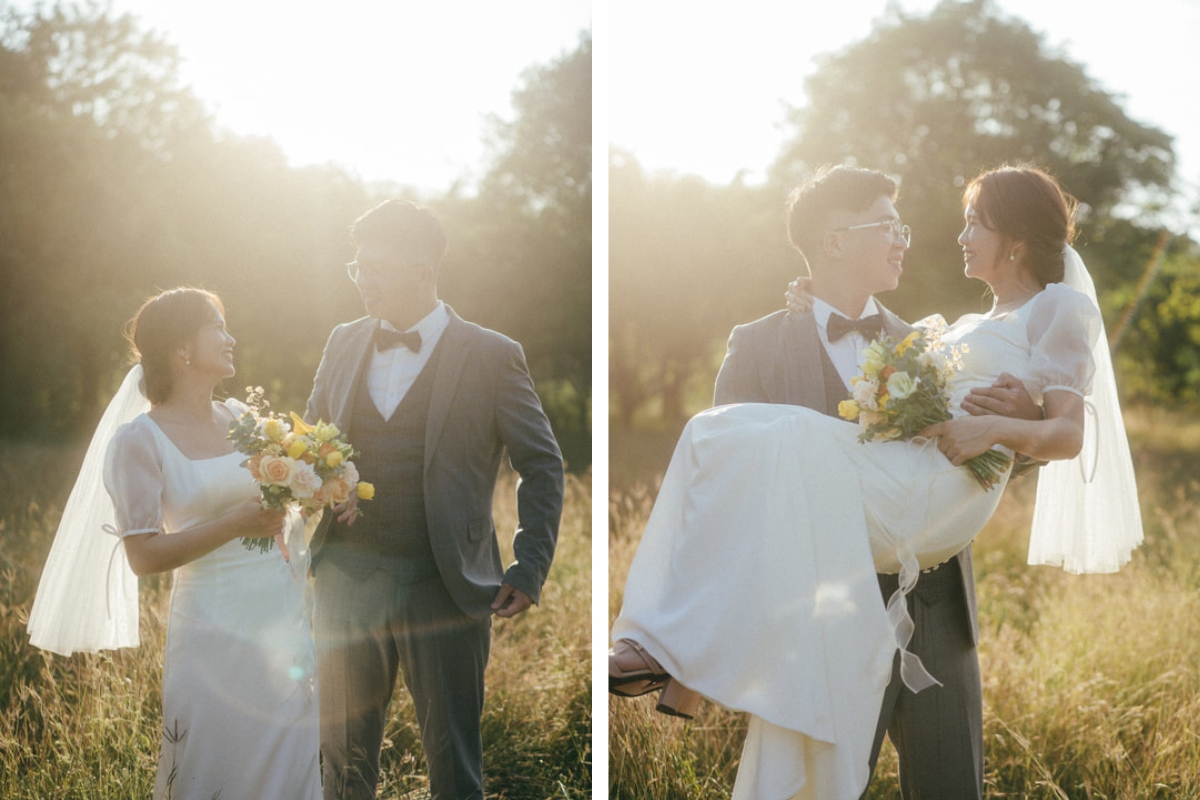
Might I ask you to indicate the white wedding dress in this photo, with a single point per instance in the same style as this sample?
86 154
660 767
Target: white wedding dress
238 695
755 580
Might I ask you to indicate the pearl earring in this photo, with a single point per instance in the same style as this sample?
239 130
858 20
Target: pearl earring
1012 256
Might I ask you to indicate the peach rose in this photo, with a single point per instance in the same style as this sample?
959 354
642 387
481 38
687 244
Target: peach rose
253 465
337 489
276 470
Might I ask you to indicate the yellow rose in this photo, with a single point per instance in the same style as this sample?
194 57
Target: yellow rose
297 449
275 429
848 410
333 459
364 490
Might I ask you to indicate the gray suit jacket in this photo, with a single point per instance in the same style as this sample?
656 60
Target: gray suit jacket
483 403
777 359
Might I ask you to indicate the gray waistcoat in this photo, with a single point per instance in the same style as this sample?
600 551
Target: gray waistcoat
391 456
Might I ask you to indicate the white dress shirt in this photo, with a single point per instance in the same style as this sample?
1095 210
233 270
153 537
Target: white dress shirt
847 352
392 372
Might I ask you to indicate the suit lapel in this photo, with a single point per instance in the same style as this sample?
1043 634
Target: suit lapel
893 325
445 381
804 375
354 359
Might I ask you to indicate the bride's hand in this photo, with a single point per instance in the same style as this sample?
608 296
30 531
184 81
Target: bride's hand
251 521
962 438
798 295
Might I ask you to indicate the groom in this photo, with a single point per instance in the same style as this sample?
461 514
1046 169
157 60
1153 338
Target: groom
431 402
845 224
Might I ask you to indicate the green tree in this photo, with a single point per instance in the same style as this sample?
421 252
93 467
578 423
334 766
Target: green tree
936 99
87 102
113 184
687 261
520 259
1158 326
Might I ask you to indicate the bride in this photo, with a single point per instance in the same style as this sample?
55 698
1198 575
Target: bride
791 516
238 695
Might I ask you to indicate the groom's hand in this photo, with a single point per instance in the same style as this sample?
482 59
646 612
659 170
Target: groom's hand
1007 397
348 511
510 601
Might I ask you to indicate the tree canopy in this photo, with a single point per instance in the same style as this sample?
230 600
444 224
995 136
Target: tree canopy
934 100
115 182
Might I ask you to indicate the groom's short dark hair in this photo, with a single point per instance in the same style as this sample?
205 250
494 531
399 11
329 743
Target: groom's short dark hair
406 225
832 189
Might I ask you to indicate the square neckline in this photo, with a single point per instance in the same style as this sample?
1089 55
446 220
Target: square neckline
179 450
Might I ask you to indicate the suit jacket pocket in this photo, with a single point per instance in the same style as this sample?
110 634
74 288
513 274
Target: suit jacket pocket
479 529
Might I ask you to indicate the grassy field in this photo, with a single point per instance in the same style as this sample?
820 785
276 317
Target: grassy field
88 726
1091 683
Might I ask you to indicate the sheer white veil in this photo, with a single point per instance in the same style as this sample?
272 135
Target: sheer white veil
1087 517
87 599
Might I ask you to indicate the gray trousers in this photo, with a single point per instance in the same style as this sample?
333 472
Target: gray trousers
370 626
938 732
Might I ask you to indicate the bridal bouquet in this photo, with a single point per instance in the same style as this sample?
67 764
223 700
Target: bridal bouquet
903 389
293 462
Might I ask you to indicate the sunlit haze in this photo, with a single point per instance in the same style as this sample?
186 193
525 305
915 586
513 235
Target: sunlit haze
391 91
706 93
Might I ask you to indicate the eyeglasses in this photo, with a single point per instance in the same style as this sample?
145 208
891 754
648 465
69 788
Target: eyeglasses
357 271
894 226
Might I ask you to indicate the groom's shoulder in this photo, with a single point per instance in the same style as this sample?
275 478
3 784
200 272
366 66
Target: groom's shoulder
359 326
768 325
479 336
893 320
354 325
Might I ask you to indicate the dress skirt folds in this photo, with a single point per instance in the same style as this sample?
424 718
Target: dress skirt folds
755 581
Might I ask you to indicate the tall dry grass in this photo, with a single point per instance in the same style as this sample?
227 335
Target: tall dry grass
1091 683
89 726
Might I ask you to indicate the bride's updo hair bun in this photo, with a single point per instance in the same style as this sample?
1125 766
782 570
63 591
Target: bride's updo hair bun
163 324
1026 204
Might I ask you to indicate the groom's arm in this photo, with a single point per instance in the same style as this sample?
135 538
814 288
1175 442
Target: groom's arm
738 380
533 452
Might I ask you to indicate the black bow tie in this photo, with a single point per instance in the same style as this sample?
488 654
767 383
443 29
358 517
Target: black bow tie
386 340
838 326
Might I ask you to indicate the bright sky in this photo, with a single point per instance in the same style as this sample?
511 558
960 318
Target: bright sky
705 93
395 91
